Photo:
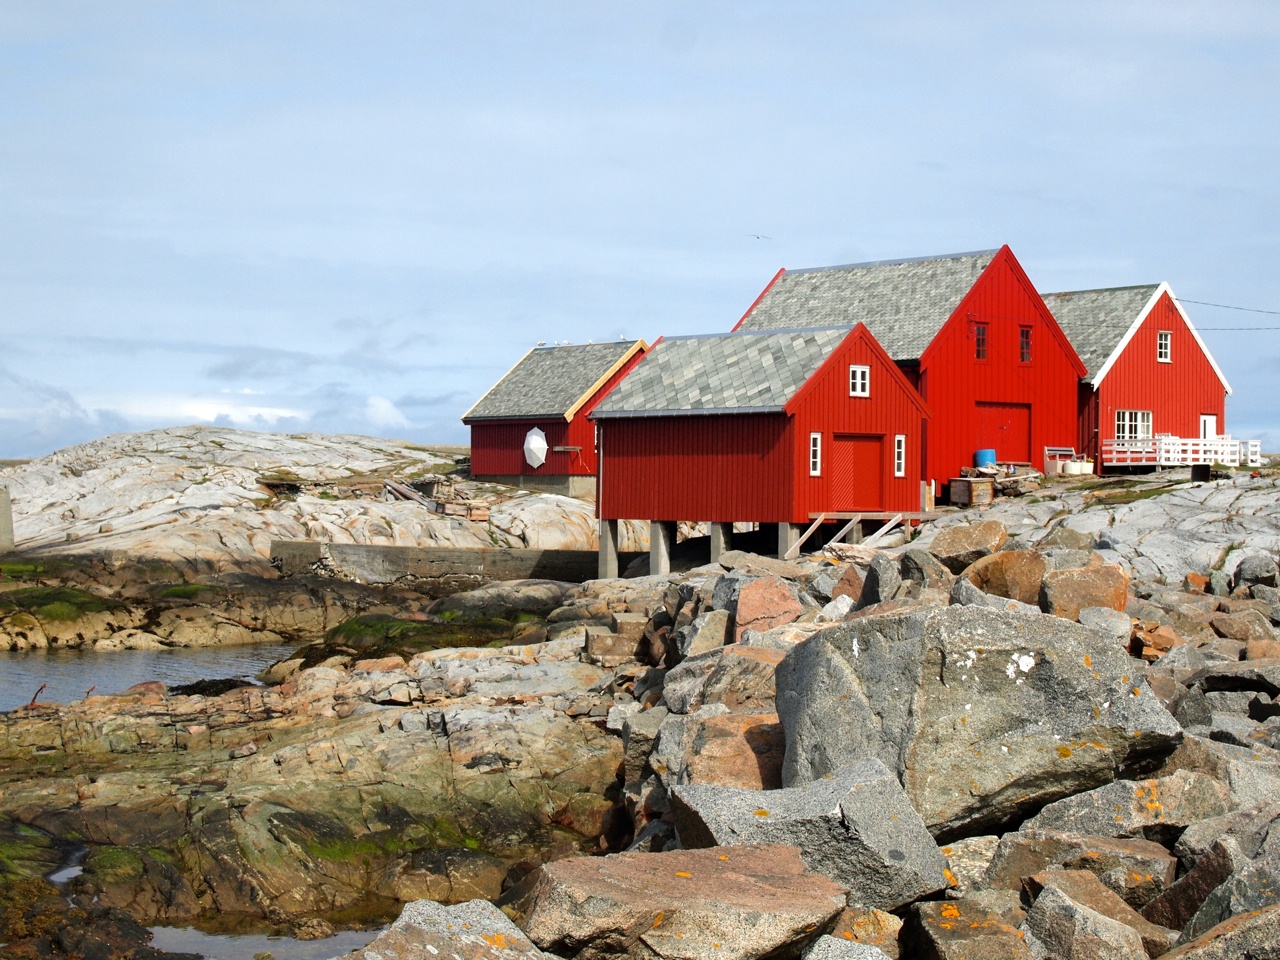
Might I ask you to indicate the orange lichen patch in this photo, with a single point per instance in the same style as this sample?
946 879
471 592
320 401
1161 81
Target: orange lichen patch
1088 660
762 813
848 934
1137 692
683 873
950 877
657 921
1064 752
1096 712
723 857
498 940
947 851
950 911
1124 679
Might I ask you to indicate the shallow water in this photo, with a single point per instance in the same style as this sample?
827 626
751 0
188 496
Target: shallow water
215 946
69 673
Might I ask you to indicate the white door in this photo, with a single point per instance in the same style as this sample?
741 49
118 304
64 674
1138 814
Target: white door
1208 426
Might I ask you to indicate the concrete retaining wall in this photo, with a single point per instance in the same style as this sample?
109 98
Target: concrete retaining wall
6 522
384 564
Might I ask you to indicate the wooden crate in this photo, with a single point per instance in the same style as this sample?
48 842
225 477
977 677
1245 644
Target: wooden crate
972 491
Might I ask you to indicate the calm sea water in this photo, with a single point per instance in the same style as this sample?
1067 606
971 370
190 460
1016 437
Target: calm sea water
241 947
69 673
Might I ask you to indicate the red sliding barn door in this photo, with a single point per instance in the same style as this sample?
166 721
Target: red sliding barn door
1005 428
857 468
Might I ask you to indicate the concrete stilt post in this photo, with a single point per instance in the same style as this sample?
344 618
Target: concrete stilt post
721 539
788 536
662 535
608 566
6 522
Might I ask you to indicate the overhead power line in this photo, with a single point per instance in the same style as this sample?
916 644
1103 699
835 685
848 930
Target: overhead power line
1227 306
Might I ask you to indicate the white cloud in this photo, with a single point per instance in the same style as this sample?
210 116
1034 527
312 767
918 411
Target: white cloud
382 413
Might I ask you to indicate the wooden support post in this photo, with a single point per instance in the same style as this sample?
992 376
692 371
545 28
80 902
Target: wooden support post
6 522
662 536
607 568
794 551
788 536
875 537
721 540
853 524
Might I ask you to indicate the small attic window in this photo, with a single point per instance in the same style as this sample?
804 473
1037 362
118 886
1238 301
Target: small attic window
859 381
1164 346
979 341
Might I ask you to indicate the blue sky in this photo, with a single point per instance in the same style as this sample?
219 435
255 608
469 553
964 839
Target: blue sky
355 217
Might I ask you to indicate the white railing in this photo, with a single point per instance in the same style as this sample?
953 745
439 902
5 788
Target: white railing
1181 451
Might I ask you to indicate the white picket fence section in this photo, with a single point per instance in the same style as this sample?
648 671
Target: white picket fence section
1165 451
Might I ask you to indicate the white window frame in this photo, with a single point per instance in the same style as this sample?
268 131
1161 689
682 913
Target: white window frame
1164 346
900 455
815 454
859 380
1133 425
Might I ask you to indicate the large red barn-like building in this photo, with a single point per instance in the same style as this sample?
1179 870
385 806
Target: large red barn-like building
765 427
545 401
1149 373
968 330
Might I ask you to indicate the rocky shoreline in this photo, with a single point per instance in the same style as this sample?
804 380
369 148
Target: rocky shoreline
1022 734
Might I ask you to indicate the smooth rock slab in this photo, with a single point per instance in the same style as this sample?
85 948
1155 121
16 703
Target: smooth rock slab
856 827
983 715
468 931
738 903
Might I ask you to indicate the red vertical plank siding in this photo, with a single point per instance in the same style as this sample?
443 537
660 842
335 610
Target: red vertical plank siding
1176 393
497 446
755 467
824 406
1003 299
722 468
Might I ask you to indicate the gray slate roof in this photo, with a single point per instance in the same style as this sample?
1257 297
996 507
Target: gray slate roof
722 373
549 381
1096 320
903 302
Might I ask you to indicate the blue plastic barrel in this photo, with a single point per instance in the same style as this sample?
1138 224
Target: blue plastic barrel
984 458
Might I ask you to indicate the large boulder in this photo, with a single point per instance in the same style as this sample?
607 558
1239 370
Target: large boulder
740 902
984 716
962 929
855 826
1074 913
957 547
1064 593
476 930
1014 574
1136 870
1158 809
1253 935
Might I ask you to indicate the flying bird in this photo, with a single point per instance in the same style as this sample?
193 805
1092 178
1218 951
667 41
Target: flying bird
759 236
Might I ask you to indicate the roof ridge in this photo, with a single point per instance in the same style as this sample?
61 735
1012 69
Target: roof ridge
1135 286
756 333
897 263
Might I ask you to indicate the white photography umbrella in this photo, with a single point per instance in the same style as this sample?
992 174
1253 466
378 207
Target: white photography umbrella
535 448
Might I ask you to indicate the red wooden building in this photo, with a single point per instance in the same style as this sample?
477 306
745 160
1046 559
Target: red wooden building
532 428
766 427
969 331
1149 374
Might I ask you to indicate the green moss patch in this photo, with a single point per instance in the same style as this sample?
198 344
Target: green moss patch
184 591
382 635
58 603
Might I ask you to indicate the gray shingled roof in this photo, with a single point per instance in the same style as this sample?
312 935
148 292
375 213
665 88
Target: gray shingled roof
549 381
1096 320
722 373
903 302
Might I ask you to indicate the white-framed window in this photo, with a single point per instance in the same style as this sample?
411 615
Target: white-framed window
1133 424
815 454
1164 346
859 381
900 455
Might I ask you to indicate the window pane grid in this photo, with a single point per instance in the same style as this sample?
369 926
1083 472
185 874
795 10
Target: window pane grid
815 454
1024 344
859 381
980 341
900 455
